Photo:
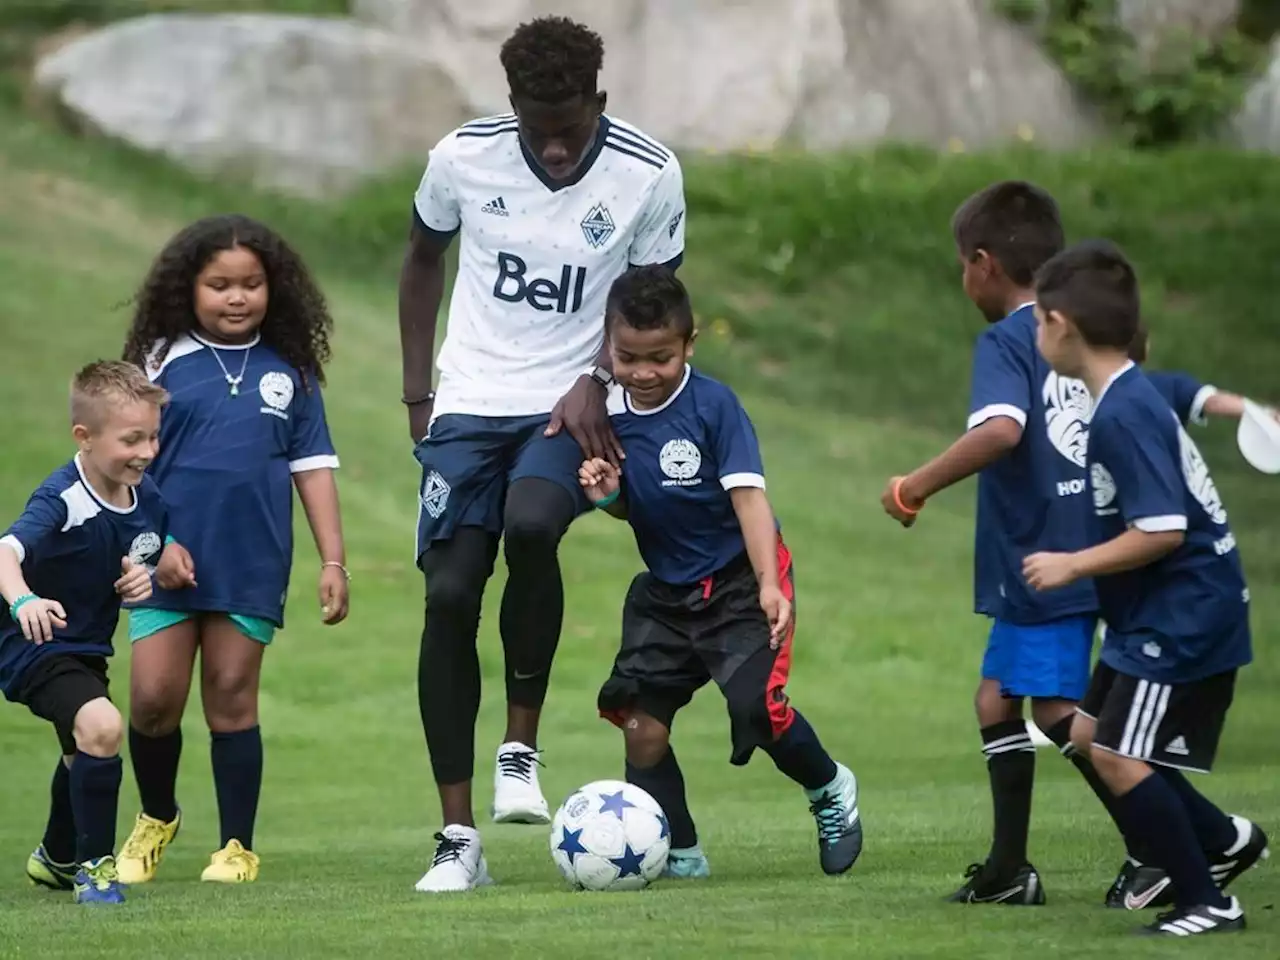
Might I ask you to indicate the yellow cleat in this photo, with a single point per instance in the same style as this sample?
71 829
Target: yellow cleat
140 856
232 864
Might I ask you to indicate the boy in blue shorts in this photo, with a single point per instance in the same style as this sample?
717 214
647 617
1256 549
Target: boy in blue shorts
87 540
1171 590
716 601
1025 439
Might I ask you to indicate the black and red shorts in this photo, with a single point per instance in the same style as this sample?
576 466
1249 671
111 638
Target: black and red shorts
677 638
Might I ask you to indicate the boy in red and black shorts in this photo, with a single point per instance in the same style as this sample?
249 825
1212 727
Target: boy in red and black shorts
716 601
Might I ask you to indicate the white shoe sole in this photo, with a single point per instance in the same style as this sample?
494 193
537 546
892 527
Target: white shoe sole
483 879
526 815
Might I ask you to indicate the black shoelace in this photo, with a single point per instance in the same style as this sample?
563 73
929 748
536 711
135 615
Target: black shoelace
518 764
449 848
829 812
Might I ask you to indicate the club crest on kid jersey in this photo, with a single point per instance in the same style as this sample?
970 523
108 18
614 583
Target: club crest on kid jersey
680 460
144 547
1196 473
276 390
1067 411
1104 490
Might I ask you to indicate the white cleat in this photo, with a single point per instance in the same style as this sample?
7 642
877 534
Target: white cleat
517 797
458 864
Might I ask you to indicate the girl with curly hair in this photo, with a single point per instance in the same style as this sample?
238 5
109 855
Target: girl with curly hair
230 322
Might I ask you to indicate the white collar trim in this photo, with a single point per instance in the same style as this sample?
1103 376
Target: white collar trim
688 371
1128 365
98 497
227 346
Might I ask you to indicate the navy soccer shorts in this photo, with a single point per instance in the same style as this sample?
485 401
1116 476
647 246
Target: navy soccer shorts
1169 724
55 687
468 462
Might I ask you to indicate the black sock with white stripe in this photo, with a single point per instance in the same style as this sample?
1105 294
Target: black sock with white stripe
1011 765
1153 815
1060 734
1214 829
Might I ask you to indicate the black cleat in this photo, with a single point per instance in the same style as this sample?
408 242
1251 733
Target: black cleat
1249 849
983 885
1193 921
1139 886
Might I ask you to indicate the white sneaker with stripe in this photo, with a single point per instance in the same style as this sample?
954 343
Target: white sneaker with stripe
1194 921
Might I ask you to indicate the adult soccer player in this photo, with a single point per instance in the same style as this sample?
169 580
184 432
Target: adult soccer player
552 201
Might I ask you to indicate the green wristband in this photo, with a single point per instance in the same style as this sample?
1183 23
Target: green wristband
18 604
168 539
609 500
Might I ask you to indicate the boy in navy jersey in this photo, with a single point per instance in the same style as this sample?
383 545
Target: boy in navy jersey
86 541
1170 588
1025 439
716 601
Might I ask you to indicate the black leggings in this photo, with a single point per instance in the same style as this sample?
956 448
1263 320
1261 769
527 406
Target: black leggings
536 515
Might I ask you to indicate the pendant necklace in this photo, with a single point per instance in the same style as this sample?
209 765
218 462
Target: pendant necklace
232 382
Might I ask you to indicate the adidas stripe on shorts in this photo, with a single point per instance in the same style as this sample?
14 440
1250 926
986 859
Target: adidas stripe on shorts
1170 724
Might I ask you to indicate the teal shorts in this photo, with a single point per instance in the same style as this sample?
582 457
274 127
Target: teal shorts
144 621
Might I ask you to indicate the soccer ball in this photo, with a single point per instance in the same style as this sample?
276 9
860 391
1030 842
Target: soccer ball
610 835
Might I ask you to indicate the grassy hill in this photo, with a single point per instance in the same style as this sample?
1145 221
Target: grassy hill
829 296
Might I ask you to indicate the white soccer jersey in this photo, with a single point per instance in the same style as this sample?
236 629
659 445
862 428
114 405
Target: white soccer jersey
537 257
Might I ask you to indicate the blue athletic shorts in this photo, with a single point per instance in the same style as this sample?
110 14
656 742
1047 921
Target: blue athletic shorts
468 462
1050 660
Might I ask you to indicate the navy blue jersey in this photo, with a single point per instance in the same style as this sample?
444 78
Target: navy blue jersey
1183 392
683 458
72 544
225 467
1186 616
1033 498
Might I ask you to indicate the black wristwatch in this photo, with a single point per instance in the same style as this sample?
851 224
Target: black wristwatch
602 376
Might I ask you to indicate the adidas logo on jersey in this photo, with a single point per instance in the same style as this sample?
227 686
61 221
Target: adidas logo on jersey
1177 746
497 206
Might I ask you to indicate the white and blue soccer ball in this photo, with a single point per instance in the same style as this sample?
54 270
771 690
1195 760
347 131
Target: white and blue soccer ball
610 835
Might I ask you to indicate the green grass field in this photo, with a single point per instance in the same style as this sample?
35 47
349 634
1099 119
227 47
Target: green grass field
830 299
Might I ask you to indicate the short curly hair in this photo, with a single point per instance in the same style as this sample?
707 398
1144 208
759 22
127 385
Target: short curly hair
552 59
1015 222
650 297
297 324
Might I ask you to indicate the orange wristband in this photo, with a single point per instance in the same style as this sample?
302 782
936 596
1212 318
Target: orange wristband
897 500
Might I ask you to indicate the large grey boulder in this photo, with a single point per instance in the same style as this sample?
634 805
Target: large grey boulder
727 74
935 72
307 106
312 105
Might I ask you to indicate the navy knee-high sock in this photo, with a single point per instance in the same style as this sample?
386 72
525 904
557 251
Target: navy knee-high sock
155 767
95 798
1214 829
237 781
800 755
60 832
1154 815
664 781
1060 734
